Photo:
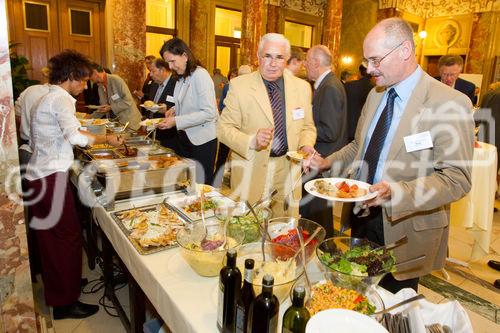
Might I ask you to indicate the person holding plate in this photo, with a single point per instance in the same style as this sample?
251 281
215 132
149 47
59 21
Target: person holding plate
195 111
414 143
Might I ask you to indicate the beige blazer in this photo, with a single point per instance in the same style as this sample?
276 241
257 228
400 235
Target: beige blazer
424 182
247 109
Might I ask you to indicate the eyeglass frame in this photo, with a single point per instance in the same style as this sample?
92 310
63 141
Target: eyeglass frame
268 58
376 62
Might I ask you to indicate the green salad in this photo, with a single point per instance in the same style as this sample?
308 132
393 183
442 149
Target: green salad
361 261
249 225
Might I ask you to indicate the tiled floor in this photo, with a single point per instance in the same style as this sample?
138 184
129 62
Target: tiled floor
465 278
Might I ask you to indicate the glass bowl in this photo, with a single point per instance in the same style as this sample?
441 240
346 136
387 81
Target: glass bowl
322 277
338 246
284 228
240 217
206 261
278 263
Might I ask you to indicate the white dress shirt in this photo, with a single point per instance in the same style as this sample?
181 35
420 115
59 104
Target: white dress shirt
25 103
320 79
54 131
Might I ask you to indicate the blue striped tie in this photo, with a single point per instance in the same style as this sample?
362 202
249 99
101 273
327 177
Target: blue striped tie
372 153
279 145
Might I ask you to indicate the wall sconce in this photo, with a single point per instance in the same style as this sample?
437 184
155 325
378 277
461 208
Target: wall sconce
422 34
346 60
237 33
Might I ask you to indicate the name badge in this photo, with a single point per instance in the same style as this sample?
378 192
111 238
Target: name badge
115 97
418 141
170 99
298 113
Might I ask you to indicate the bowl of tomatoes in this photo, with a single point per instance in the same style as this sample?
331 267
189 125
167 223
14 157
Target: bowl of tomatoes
284 230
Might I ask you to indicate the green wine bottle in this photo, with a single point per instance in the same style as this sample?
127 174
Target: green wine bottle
296 316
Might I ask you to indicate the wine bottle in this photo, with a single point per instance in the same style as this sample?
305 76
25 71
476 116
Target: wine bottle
229 292
296 316
263 314
247 296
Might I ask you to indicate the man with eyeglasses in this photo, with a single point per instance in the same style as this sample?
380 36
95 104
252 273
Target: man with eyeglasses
414 143
450 66
268 113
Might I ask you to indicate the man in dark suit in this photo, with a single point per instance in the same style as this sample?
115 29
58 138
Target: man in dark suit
162 93
330 119
356 92
450 66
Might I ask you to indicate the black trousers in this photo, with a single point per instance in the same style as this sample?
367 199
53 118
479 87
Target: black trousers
222 155
371 227
204 154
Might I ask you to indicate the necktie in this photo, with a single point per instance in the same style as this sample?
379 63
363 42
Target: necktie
279 145
372 154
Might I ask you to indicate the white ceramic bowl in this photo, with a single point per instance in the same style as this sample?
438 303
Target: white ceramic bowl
343 321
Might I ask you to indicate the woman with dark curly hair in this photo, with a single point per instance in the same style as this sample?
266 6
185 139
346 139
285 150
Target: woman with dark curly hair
195 111
54 132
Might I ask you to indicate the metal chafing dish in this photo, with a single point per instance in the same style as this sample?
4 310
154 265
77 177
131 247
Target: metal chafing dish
117 177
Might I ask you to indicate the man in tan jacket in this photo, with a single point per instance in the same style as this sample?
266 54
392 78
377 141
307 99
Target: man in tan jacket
414 143
266 114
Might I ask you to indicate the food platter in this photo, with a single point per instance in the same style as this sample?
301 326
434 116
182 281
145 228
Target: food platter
150 228
189 207
92 107
327 188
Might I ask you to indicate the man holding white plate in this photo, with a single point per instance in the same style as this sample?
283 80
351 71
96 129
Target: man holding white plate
414 144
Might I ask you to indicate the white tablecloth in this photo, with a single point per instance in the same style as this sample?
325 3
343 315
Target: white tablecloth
475 210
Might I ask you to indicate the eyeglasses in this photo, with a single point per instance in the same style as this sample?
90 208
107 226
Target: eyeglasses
375 62
269 58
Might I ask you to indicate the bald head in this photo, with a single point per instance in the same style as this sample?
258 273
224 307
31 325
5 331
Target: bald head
318 60
389 52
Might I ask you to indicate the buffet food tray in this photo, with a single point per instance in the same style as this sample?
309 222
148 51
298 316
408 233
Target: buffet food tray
189 207
161 221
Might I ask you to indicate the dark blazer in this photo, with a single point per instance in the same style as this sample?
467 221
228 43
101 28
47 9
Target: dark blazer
146 88
91 94
330 115
465 87
356 92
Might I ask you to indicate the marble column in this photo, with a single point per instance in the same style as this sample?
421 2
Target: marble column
251 31
202 25
129 43
331 29
273 18
483 27
17 312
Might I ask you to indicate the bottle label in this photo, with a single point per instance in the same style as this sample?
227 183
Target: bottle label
240 319
249 275
273 323
220 304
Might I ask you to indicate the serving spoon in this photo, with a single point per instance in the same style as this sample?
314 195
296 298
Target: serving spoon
397 305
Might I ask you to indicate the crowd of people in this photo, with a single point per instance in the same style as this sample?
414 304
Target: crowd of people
411 137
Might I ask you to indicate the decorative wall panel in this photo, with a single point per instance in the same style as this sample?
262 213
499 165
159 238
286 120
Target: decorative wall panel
435 8
313 7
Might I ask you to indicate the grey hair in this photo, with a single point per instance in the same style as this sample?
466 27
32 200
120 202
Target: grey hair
323 54
244 69
397 31
275 38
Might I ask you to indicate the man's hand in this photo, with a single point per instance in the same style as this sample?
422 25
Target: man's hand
317 163
167 123
263 138
104 108
170 112
384 194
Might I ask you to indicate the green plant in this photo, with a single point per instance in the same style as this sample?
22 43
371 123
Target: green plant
19 71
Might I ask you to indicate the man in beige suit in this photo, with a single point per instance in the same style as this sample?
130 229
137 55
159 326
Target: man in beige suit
414 141
266 114
115 96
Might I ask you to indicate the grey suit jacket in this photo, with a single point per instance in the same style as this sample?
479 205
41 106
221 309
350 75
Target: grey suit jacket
196 107
423 182
121 101
330 115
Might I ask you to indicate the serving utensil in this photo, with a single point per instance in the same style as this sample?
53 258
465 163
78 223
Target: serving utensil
286 198
303 252
260 201
397 305
310 239
391 246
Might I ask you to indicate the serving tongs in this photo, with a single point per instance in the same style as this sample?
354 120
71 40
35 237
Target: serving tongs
303 252
397 305
391 246
310 239
262 200
286 200
264 232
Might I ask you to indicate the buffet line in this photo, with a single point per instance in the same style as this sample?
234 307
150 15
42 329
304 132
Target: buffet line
154 214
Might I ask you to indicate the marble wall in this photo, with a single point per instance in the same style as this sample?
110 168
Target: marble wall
251 31
332 30
129 44
16 296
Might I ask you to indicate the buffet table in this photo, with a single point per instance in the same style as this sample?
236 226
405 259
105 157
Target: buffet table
186 301
474 212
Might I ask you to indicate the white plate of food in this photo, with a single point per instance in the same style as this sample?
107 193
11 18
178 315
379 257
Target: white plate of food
92 107
344 321
94 121
151 122
152 108
297 155
340 189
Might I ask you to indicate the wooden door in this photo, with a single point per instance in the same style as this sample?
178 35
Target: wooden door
81 28
34 25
